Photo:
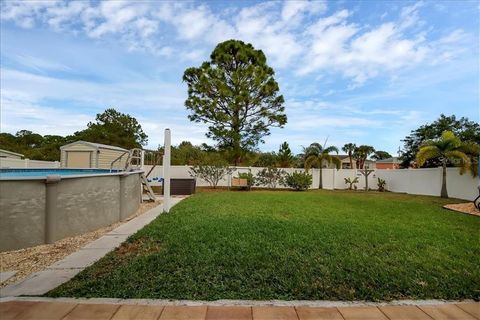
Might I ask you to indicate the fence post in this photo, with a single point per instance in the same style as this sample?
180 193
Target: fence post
57 164
26 162
51 216
166 172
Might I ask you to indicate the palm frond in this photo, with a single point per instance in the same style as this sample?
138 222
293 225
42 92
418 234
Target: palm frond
311 161
336 161
330 149
427 152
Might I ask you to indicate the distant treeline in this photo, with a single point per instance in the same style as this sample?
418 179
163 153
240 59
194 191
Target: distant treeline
118 129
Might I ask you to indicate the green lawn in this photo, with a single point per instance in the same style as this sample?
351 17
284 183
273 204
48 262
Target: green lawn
293 245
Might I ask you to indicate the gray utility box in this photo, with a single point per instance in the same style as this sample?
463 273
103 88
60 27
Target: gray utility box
181 186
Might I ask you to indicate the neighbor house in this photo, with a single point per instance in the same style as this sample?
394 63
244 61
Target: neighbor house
345 163
389 163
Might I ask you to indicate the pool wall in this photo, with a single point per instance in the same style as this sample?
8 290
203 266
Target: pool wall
41 210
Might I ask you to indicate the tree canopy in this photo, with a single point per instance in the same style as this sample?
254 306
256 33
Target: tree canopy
285 157
236 95
463 128
110 127
114 128
380 155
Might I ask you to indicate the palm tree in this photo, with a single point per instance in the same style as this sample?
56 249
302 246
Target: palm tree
448 148
317 155
361 154
349 148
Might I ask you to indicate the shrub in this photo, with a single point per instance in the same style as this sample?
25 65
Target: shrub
270 177
298 180
250 178
351 182
210 173
381 184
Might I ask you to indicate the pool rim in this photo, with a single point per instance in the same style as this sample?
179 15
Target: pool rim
60 177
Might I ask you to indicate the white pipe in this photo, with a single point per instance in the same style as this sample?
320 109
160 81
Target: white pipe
166 172
142 160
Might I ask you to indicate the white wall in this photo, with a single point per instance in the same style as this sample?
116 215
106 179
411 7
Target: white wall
27 163
428 181
412 181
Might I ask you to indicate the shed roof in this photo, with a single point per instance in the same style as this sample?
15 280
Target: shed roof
11 152
94 145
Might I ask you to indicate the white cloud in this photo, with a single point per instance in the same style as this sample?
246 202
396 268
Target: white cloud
293 9
359 54
329 44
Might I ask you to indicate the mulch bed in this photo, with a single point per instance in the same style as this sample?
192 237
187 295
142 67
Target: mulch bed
468 208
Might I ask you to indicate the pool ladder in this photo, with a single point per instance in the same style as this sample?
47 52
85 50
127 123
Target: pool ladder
134 162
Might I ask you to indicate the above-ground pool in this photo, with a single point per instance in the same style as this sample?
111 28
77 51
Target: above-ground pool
40 206
12 173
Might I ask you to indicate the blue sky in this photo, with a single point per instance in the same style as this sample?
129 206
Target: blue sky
366 72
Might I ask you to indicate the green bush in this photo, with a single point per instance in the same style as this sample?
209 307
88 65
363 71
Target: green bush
250 178
298 180
212 174
270 177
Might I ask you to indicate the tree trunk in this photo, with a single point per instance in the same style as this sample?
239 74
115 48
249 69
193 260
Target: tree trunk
351 161
444 193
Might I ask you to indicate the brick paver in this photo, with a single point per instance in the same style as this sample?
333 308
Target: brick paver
404 313
46 310
362 313
274 313
138 312
184 313
55 310
309 313
446 312
231 313
92 312
10 310
471 308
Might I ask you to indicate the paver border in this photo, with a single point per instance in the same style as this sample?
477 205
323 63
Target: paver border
243 303
63 270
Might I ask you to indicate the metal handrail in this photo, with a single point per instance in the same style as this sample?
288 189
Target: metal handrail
118 159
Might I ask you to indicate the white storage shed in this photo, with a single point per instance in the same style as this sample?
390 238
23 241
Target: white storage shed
84 154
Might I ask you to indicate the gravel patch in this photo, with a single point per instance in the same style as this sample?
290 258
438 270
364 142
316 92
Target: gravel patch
468 208
29 260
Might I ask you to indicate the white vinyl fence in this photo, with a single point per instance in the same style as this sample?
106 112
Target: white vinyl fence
27 163
412 181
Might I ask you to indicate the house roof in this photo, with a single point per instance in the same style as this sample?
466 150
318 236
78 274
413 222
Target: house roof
342 156
11 152
95 145
389 160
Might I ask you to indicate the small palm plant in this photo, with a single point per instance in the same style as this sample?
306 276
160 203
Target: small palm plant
448 148
317 155
351 182
381 184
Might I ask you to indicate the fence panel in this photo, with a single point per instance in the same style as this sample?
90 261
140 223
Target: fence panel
27 163
413 181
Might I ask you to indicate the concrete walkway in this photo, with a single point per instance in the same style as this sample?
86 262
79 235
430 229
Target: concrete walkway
61 271
58 310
